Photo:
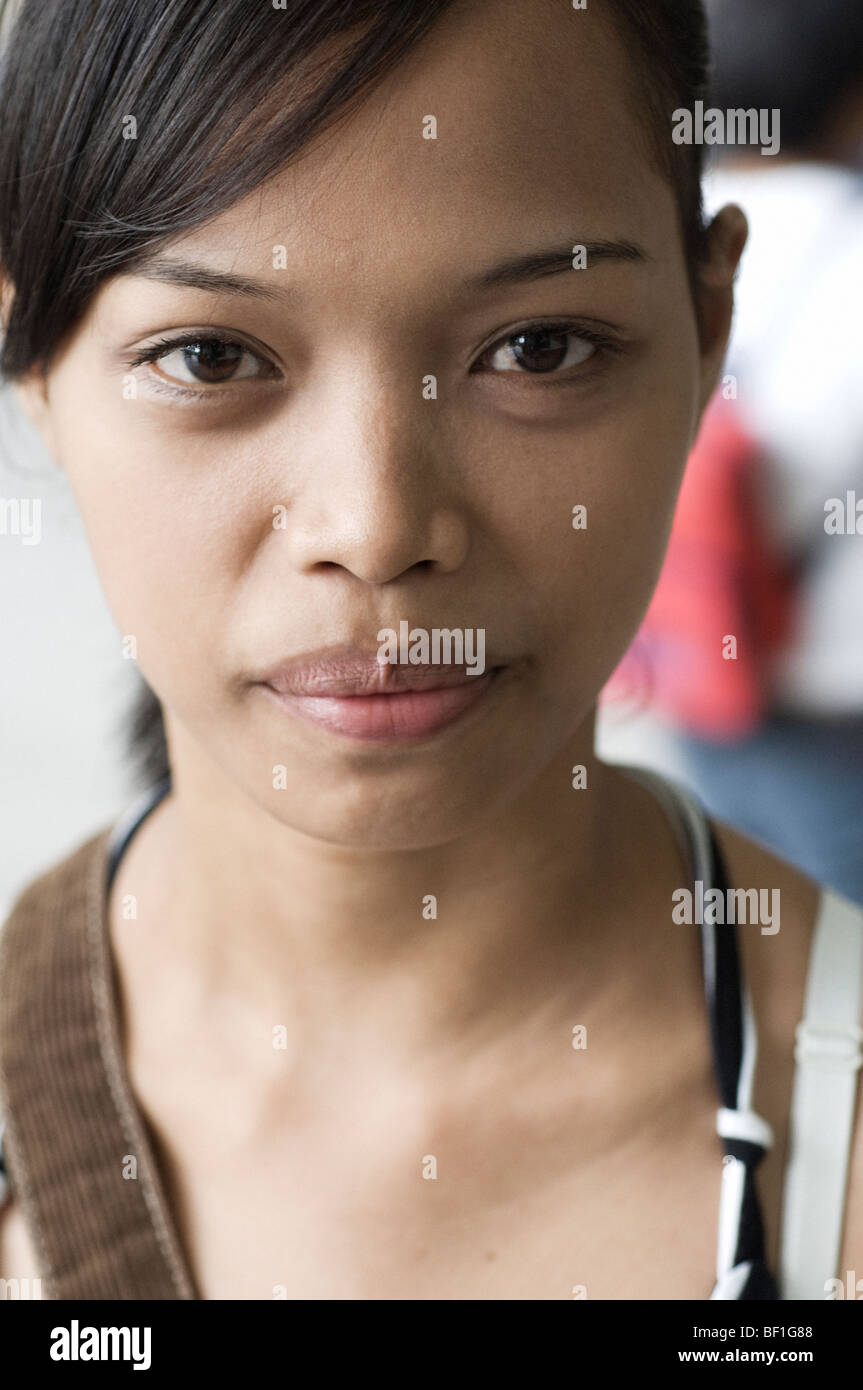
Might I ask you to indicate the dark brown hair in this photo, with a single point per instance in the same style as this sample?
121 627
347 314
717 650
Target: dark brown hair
226 94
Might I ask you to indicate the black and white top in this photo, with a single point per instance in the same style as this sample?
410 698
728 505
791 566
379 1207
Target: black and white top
828 1056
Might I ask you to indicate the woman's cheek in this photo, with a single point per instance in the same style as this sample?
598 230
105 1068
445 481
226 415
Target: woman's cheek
634 494
155 553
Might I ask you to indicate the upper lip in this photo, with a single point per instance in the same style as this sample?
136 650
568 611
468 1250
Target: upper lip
340 671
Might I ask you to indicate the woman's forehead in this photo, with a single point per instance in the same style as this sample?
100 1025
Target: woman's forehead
491 130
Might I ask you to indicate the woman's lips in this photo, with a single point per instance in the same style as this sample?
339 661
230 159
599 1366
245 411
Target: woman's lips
354 695
404 715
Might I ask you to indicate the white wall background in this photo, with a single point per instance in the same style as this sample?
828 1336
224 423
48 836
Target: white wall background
64 684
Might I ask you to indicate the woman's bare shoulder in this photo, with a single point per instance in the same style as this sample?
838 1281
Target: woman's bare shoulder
752 865
776 965
775 948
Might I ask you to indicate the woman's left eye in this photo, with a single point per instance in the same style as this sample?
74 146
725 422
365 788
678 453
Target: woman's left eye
204 361
541 350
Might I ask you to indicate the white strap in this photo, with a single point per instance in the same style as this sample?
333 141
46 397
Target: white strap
730 1207
828 1057
744 1124
731 1285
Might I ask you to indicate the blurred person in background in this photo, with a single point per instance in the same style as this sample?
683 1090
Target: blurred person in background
753 644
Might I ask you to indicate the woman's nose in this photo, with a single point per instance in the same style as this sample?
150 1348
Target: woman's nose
379 494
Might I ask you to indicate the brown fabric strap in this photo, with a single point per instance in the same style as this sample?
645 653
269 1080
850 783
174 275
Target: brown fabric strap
72 1125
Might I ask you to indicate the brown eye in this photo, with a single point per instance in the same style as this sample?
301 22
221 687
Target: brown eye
208 361
541 350
212 361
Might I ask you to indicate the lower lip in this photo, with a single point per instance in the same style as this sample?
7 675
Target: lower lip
397 718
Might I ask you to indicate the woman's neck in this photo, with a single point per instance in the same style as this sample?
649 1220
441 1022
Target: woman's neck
415 945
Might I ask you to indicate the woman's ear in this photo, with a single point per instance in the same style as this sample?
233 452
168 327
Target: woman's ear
726 238
31 388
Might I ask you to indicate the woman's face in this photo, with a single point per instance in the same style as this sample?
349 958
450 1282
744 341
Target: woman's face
326 490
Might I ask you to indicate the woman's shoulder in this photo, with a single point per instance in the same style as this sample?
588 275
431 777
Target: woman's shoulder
35 939
42 942
777 934
795 895
66 880
788 980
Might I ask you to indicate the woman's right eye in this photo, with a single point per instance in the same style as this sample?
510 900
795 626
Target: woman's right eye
203 361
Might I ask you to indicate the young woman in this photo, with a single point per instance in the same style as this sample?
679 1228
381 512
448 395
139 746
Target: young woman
339 319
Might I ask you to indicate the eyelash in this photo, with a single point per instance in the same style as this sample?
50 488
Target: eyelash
164 346
606 345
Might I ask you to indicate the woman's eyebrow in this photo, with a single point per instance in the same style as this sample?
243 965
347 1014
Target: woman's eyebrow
200 277
530 265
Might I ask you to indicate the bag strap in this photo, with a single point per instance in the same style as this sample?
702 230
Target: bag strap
828 1056
77 1152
